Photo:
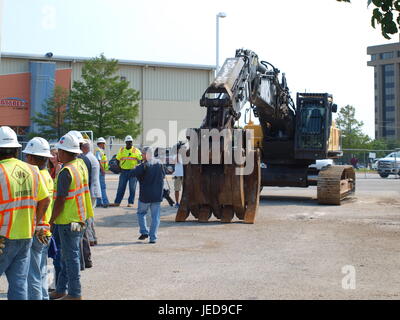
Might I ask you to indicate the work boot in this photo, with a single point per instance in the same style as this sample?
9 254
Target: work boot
68 297
113 205
143 236
55 295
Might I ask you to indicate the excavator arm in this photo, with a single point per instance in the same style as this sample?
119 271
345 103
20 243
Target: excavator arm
292 139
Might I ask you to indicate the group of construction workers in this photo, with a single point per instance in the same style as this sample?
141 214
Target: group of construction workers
33 207
49 205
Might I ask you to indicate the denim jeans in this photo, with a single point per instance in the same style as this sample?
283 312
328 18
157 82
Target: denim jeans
14 262
125 177
57 259
69 277
37 275
155 218
103 200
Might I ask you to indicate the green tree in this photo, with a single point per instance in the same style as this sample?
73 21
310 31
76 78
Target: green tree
53 121
386 13
351 129
103 102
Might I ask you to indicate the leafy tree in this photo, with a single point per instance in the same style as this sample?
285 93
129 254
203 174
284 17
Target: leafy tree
351 129
53 122
103 102
387 14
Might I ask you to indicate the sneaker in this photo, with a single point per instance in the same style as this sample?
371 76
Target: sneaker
130 205
176 205
105 206
143 236
152 241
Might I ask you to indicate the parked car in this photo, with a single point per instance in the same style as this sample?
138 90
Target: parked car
374 165
320 164
389 165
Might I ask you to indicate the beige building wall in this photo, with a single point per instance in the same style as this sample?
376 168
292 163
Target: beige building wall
165 122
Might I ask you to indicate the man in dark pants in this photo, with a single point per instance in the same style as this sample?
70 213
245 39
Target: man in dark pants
128 158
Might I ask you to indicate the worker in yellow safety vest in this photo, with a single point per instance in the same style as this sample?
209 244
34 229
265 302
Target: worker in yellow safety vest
128 158
72 207
102 158
38 153
23 201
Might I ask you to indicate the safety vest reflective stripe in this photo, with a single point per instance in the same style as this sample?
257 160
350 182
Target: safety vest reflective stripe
12 205
73 193
128 158
4 184
4 223
78 194
9 205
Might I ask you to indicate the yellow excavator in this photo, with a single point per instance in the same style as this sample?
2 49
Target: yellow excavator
226 167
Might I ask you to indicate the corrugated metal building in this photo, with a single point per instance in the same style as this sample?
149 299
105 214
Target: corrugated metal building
169 92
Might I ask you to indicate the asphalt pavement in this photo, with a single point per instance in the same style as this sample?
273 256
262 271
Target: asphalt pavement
296 249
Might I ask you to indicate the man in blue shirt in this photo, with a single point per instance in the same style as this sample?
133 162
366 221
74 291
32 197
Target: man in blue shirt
150 175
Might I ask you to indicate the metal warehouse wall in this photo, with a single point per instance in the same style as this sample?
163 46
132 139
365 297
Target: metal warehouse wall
167 92
10 66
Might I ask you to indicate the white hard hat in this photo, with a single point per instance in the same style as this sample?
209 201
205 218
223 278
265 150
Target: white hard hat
8 138
128 138
69 143
78 135
101 140
38 147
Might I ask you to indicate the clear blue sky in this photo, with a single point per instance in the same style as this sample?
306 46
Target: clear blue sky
319 44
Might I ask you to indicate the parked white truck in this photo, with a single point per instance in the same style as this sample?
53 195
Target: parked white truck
389 164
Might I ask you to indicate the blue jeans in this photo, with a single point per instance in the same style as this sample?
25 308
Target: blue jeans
69 277
37 275
14 262
155 218
57 259
103 200
125 177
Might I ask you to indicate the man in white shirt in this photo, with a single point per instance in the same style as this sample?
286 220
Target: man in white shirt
95 190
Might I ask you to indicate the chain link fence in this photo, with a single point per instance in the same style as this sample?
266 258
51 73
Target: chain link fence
372 164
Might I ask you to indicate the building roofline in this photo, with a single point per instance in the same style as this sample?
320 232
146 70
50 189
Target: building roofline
378 48
122 62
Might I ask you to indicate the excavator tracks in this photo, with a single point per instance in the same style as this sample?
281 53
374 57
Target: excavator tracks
335 183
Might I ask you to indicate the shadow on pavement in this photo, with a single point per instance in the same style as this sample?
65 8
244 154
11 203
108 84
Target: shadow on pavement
269 200
117 244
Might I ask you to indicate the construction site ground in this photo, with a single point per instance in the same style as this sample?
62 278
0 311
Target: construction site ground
296 249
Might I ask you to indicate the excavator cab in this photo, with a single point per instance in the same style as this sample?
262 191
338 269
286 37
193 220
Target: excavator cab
313 125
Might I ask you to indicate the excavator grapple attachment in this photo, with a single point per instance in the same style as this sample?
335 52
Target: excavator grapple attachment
335 183
222 190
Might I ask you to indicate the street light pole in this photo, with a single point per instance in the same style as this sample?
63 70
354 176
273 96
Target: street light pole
219 15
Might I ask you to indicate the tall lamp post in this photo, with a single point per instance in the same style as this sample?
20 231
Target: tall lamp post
219 15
